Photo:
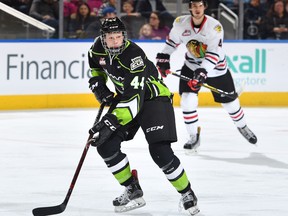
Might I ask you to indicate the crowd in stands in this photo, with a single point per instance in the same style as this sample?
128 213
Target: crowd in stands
146 19
263 19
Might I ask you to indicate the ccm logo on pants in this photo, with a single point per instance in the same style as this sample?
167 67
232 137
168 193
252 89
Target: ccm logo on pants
154 128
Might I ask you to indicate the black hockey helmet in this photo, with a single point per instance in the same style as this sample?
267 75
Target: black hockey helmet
203 1
110 25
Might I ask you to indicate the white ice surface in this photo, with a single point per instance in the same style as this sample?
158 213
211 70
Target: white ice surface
39 152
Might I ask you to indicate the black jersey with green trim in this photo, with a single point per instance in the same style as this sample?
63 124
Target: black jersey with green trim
135 77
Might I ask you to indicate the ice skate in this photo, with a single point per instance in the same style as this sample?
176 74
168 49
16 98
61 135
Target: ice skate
189 202
132 197
248 134
193 143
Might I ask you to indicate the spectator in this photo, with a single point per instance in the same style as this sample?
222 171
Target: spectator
76 3
46 11
286 7
94 6
22 5
69 9
133 21
159 29
109 3
128 9
253 14
79 24
145 8
266 4
109 12
93 30
145 32
275 24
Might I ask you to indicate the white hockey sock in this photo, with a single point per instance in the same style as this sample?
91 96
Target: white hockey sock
236 112
189 104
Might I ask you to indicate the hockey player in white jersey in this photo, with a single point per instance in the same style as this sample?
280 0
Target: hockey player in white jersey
205 62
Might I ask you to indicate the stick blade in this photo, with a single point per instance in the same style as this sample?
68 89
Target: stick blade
52 210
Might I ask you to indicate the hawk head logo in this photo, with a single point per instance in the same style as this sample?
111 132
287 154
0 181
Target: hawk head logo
196 48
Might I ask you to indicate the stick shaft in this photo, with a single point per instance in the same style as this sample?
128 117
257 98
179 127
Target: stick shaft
219 91
51 210
83 156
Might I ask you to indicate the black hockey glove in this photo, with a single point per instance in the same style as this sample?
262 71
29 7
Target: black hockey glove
104 129
163 64
102 93
200 75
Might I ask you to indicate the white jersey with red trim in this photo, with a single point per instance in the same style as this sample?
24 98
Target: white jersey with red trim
204 44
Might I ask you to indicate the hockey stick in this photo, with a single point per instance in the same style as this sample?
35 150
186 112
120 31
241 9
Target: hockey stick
219 91
43 211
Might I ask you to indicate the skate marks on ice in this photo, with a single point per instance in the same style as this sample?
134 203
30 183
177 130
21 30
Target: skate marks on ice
40 151
253 159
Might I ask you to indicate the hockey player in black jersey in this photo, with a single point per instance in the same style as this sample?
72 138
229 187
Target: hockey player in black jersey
141 100
205 62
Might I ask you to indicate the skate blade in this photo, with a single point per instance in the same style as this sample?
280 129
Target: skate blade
193 210
133 204
191 151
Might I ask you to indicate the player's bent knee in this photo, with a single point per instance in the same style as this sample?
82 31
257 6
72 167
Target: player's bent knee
161 153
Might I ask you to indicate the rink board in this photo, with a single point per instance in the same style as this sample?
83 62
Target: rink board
57 77
14 102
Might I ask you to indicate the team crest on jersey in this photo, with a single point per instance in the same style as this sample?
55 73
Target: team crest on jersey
186 33
102 61
136 62
218 28
196 48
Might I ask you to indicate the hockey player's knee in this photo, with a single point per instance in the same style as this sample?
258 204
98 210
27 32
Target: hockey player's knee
161 153
189 101
109 148
171 166
232 106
